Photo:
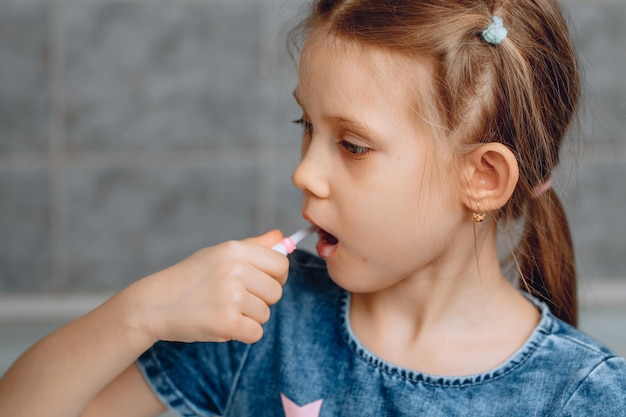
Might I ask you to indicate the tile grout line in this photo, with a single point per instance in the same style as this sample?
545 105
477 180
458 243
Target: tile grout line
23 307
56 152
266 197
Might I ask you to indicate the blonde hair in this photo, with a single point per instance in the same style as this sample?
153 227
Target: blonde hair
522 92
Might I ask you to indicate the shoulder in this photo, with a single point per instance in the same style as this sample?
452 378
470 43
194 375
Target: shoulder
600 392
572 339
562 345
593 378
579 346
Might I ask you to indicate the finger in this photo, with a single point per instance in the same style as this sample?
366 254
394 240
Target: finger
267 239
248 331
256 309
265 287
267 260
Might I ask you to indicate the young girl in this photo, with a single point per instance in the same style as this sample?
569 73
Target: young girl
428 125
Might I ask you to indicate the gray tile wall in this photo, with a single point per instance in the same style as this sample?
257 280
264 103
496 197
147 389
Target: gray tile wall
134 132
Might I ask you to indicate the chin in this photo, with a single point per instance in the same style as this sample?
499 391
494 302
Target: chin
354 279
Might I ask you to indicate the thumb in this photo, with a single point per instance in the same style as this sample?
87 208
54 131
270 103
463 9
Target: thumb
267 239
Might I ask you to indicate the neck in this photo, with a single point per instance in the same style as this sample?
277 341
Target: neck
456 282
459 299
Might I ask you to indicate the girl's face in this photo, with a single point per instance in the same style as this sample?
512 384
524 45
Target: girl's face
374 179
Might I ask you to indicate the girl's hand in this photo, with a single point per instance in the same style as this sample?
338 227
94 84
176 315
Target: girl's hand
218 294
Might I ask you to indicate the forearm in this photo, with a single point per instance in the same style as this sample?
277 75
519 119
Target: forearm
59 375
217 294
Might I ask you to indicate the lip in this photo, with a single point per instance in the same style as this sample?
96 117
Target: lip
322 236
309 219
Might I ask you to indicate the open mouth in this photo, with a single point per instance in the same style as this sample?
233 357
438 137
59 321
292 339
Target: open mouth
327 244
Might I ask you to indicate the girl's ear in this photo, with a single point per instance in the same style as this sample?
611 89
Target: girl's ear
491 174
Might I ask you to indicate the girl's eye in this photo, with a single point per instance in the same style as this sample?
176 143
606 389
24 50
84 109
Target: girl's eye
306 125
355 151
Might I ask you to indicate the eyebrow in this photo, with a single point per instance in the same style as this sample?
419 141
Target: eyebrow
352 124
358 127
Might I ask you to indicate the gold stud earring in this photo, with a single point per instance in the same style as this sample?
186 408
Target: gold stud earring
477 216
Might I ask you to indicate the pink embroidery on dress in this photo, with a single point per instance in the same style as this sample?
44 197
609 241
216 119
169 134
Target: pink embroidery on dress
307 410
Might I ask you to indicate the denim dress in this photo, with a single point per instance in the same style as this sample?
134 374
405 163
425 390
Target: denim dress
309 364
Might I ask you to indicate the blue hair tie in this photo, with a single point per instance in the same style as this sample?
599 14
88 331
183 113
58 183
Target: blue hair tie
495 32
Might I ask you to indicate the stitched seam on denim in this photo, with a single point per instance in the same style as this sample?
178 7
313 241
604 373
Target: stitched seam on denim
515 361
186 407
236 378
582 380
586 346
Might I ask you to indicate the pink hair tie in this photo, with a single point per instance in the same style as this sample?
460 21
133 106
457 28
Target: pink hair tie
541 188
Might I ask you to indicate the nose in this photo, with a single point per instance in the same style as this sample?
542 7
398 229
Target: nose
311 175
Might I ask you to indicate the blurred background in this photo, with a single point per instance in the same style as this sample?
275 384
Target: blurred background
134 132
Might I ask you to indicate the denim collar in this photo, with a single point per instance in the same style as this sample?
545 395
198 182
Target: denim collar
542 330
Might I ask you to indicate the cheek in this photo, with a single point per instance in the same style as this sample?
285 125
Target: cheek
394 198
414 212
382 226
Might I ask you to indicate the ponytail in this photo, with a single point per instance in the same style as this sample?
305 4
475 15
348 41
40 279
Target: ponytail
546 256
